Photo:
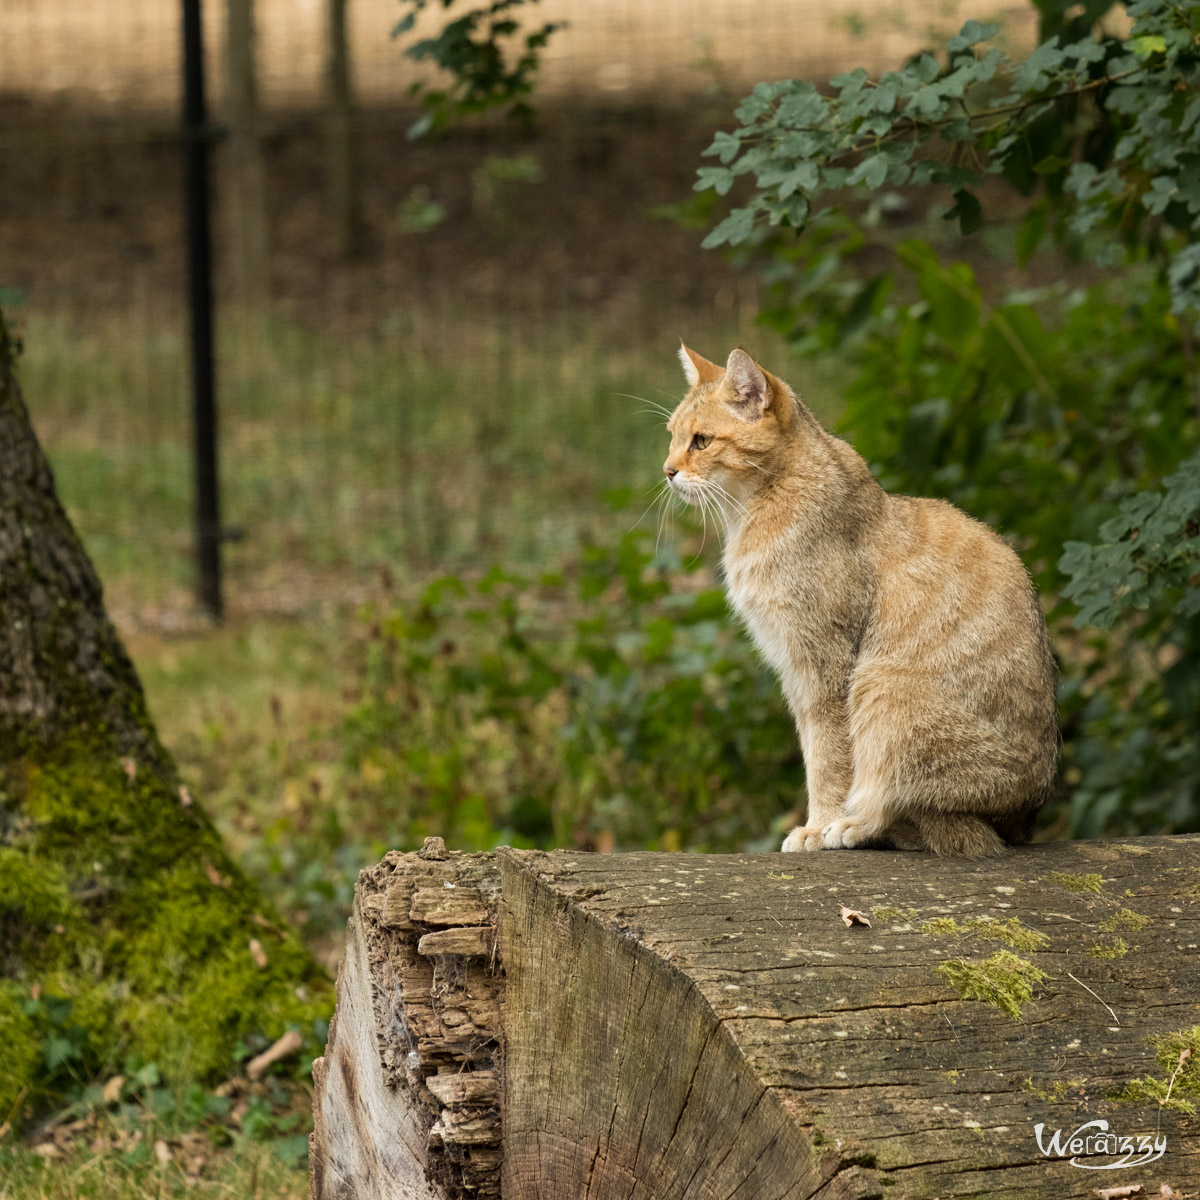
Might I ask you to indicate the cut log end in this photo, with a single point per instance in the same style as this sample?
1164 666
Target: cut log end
407 1095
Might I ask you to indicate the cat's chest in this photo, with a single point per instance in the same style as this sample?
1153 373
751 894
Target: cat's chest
777 619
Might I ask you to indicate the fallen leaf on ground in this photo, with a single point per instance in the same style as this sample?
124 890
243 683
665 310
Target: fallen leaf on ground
214 876
1118 1193
162 1151
853 917
269 926
258 954
111 1091
288 1044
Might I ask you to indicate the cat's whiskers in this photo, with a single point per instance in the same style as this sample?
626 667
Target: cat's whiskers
666 412
726 495
719 498
648 412
659 489
665 513
703 505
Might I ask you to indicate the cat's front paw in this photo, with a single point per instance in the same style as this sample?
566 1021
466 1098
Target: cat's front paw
803 837
847 833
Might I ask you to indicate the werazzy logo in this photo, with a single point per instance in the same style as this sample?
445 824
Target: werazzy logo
1094 1138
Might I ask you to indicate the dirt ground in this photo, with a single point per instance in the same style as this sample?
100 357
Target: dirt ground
90 214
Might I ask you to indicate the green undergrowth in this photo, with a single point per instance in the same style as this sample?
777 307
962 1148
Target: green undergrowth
609 703
139 1139
1178 1055
126 933
1004 980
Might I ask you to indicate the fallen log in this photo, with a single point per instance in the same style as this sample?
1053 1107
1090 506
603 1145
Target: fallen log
847 1024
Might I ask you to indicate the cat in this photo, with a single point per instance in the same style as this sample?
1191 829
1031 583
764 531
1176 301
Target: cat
907 636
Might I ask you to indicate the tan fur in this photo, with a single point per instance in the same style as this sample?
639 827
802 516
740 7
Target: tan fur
907 637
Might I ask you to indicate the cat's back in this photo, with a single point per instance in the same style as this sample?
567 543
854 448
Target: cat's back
950 588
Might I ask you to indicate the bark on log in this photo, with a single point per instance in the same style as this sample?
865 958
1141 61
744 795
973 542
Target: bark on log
711 1026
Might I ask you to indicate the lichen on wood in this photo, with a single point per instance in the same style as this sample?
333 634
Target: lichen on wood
1005 980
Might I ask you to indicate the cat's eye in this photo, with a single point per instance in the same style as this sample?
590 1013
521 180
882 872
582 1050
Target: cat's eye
700 442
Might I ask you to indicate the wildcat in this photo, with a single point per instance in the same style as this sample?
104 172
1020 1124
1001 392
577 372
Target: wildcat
907 636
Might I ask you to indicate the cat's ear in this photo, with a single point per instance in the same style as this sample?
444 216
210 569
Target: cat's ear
697 369
751 391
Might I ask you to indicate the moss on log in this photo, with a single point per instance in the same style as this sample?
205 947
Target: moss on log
124 925
716 1026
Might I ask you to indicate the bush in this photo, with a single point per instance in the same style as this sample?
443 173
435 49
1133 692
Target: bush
610 704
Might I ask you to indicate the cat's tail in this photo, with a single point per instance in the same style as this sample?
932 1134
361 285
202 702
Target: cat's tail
957 835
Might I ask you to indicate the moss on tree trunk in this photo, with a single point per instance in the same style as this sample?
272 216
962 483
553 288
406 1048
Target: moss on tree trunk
124 925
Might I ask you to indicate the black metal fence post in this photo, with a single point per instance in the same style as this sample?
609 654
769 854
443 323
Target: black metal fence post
196 139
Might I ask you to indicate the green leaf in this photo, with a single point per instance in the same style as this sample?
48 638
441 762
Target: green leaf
734 229
971 34
1051 165
804 178
1146 46
718 179
1030 234
871 171
725 146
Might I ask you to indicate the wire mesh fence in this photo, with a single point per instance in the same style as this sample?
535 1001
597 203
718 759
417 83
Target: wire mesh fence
462 383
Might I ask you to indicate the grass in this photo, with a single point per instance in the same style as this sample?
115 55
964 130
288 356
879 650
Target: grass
245 1170
430 443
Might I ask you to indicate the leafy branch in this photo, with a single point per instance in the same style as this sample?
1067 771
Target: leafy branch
490 60
799 144
1151 550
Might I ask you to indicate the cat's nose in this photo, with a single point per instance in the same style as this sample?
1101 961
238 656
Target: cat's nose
669 471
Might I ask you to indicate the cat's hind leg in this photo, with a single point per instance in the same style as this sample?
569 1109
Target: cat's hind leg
957 834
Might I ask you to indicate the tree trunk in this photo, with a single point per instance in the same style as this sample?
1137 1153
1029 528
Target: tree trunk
341 135
714 1026
245 182
63 670
116 894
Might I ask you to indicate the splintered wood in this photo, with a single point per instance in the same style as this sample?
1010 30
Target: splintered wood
419 1070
